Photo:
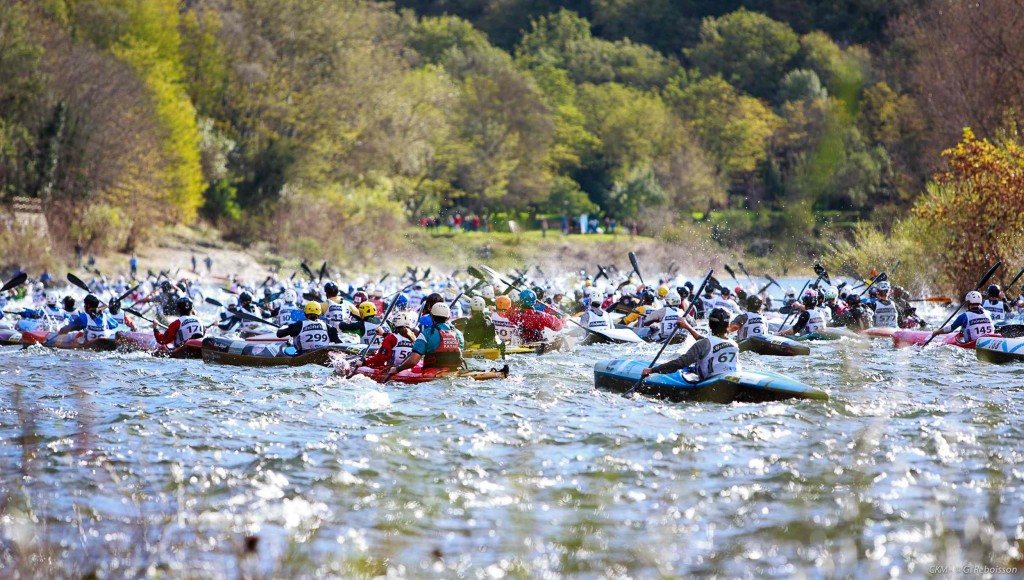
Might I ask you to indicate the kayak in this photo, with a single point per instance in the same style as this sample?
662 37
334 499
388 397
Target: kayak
261 354
610 335
70 340
880 331
10 337
773 345
738 386
494 353
418 374
829 333
902 338
997 349
132 341
193 348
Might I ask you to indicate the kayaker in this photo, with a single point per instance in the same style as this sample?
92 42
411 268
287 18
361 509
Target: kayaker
439 345
531 322
594 317
376 294
810 319
185 328
288 312
995 304
91 321
886 313
974 323
705 303
245 304
336 311
750 323
69 307
628 300
397 345
501 320
478 328
311 333
712 355
855 316
426 319
638 315
788 300
115 311
725 302
663 320
366 324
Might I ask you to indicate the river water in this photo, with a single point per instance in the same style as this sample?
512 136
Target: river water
123 464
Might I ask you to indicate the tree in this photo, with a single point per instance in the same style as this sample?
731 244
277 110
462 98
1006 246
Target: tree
748 49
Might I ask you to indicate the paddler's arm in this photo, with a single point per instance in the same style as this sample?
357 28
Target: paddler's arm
332 334
167 337
960 322
294 329
419 349
691 356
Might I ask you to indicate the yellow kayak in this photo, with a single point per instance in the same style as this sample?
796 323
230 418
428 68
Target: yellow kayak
475 351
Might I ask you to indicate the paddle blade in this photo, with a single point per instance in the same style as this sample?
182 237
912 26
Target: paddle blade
730 271
323 270
128 292
309 273
636 266
77 282
214 302
14 282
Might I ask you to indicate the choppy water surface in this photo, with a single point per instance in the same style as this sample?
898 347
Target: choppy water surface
127 464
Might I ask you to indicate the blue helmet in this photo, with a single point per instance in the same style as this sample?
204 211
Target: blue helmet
528 297
401 301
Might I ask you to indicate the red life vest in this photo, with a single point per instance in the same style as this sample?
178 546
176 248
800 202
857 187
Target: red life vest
449 352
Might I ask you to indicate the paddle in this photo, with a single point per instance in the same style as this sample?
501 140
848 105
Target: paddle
14 282
637 384
253 318
1014 281
214 302
323 270
744 270
636 267
984 279
78 282
138 314
700 290
601 272
308 272
731 273
384 277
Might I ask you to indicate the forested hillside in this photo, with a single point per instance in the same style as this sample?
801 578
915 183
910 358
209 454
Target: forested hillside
322 125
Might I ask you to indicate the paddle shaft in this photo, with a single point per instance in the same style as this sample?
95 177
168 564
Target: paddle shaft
783 325
984 279
651 366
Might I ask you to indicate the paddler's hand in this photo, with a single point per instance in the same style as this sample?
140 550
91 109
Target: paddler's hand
645 373
391 371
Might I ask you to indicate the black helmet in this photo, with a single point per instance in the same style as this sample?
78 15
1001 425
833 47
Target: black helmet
114 305
718 320
267 292
69 303
166 285
684 291
91 302
330 289
184 306
994 290
753 303
245 298
809 300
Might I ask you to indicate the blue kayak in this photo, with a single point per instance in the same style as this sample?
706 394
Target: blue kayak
997 349
773 345
739 386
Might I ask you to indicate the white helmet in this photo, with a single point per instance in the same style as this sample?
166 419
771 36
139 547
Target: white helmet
487 292
406 319
52 298
673 298
628 290
441 309
595 296
791 291
884 286
973 297
290 297
477 304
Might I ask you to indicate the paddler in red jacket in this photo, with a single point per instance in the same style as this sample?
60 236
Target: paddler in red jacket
530 321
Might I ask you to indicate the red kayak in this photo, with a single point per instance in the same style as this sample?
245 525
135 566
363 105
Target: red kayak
415 375
880 331
902 338
71 340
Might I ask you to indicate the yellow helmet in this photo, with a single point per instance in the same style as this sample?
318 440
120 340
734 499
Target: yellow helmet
367 309
587 283
662 291
503 303
313 308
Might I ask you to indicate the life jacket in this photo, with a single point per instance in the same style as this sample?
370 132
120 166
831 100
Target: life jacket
726 304
885 314
95 327
668 321
402 350
754 326
118 318
335 313
370 336
289 314
189 328
415 299
978 325
597 319
504 329
815 321
312 336
722 358
249 325
826 312
707 304
448 354
996 308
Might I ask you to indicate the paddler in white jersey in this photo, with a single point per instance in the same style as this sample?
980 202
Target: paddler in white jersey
751 323
712 356
994 304
663 320
595 317
886 312
974 323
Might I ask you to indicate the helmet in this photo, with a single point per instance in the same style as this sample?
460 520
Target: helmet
502 303
831 294
166 285
244 298
528 297
114 306
628 290
487 292
538 291
737 289
718 319
290 297
90 302
313 307
359 297
725 291
367 309
753 303
791 291
406 319
884 286
373 290
662 291
330 288
811 292
684 291
994 290
440 310
647 297
69 303
973 297
673 299
267 291
808 300
587 283
184 306
51 298
477 304
595 296
401 301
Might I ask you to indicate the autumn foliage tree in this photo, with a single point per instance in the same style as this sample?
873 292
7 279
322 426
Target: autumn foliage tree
978 200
